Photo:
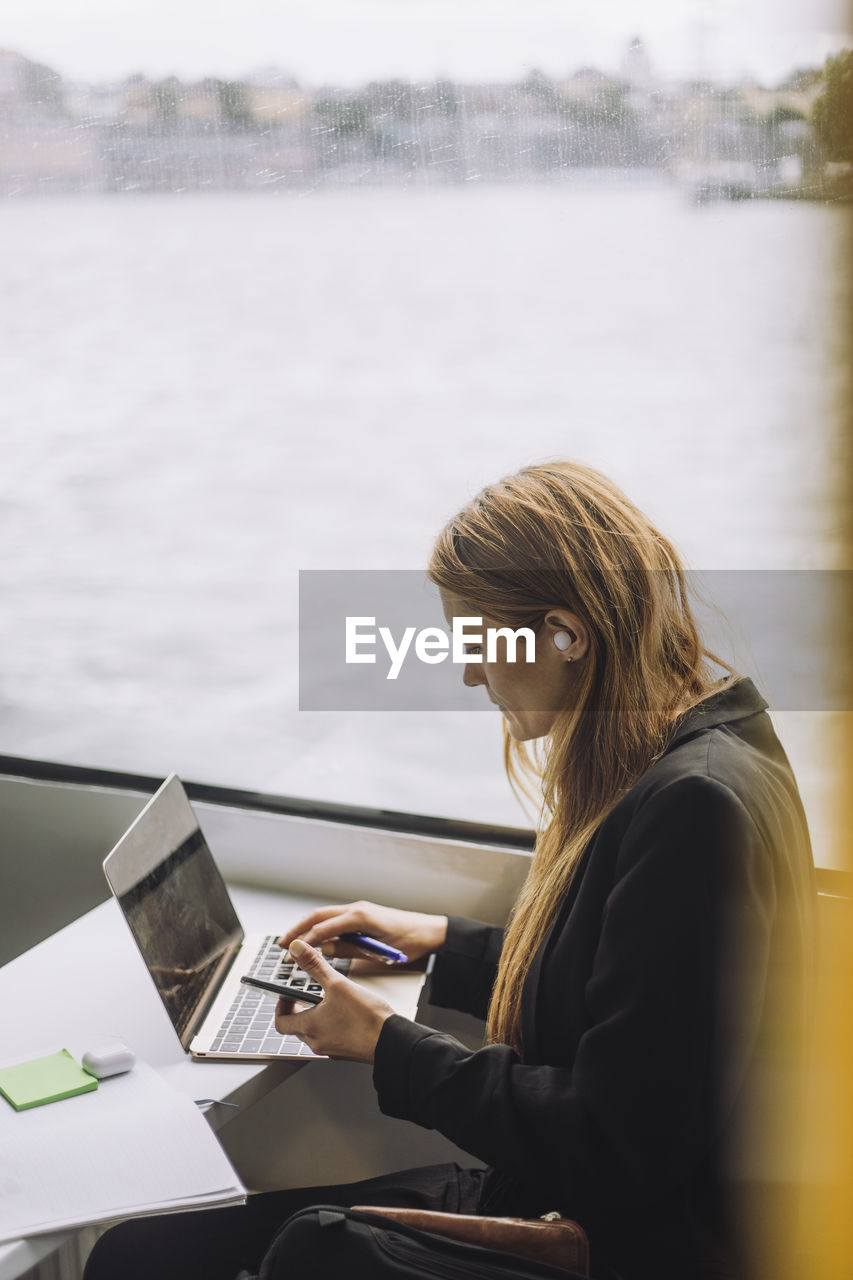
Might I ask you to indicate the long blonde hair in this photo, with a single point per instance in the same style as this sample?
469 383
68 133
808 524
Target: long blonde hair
563 535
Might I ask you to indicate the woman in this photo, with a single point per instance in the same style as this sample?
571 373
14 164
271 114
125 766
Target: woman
648 1002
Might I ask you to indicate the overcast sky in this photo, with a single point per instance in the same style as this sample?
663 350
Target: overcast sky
352 41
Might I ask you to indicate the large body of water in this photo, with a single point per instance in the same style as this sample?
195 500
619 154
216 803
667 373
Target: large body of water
204 394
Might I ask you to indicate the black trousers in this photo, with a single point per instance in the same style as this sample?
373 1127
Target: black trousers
216 1244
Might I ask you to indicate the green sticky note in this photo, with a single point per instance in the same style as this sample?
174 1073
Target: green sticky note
49 1079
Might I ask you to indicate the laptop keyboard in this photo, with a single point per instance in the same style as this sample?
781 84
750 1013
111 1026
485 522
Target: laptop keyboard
249 1025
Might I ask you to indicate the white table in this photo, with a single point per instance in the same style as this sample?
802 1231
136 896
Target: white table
87 982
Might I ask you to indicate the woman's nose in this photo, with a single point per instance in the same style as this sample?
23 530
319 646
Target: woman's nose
472 674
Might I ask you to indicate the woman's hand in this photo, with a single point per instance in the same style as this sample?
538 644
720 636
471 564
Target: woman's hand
348 1021
414 934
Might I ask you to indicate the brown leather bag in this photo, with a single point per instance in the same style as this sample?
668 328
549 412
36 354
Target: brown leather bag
553 1240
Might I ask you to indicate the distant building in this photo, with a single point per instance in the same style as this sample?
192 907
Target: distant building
798 100
636 69
30 86
199 102
138 107
92 102
277 103
266 131
585 85
13 75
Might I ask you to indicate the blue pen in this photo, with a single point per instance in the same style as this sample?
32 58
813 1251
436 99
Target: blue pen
372 947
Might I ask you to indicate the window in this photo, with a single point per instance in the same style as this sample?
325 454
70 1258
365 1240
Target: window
258 322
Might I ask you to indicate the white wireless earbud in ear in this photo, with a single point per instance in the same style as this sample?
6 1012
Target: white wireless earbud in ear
562 640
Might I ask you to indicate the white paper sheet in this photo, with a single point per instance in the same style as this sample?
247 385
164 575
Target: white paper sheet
133 1146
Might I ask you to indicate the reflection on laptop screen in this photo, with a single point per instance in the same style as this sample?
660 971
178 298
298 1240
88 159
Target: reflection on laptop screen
184 925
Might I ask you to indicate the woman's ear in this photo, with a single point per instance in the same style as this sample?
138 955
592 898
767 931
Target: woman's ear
566 633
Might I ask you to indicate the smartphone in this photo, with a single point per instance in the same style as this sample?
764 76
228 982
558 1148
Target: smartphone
283 989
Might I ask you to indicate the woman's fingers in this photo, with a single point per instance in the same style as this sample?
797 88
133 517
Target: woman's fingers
313 963
290 1022
334 948
325 923
304 926
347 1022
318 934
411 932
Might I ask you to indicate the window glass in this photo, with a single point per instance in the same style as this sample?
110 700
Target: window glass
263 321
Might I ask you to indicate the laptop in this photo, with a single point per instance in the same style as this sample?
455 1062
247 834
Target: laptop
174 899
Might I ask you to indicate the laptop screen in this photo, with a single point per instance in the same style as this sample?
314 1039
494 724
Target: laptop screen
176 903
